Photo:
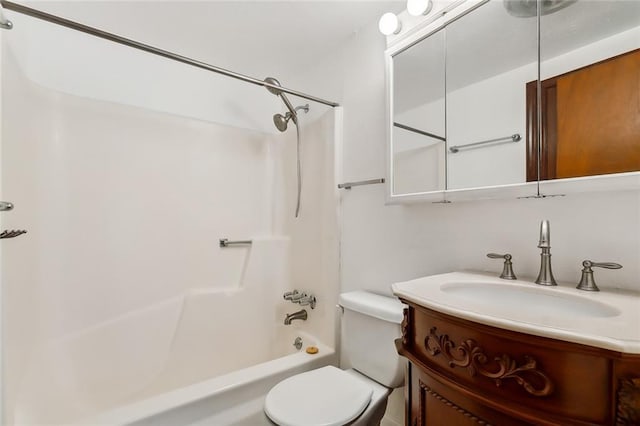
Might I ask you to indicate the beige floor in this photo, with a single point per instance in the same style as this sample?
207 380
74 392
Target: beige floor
394 416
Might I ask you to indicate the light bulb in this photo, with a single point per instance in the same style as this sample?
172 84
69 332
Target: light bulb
389 24
419 7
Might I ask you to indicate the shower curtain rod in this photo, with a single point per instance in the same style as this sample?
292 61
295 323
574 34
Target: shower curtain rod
34 13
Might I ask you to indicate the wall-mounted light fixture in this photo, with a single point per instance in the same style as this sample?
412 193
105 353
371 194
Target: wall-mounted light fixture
389 24
419 7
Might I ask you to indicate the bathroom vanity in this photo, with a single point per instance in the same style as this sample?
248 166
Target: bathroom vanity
485 351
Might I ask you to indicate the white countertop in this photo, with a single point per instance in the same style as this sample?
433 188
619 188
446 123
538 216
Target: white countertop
608 319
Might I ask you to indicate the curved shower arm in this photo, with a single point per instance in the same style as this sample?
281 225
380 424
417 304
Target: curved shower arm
292 110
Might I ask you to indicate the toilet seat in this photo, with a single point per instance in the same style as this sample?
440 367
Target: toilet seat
326 396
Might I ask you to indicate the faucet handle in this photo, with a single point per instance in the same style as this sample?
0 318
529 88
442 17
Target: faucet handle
296 297
308 300
587 282
607 265
507 269
289 295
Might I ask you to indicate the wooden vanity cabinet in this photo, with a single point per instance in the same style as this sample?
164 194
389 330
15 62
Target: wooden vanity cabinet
464 373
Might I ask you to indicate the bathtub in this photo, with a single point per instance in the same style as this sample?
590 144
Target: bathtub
203 358
235 398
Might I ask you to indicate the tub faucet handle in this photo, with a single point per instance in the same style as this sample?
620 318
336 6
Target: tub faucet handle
290 294
295 298
308 300
587 282
507 269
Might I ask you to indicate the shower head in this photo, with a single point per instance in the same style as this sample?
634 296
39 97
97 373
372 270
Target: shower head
281 121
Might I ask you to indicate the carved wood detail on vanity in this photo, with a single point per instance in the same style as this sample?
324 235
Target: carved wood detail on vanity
460 370
404 326
474 358
628 407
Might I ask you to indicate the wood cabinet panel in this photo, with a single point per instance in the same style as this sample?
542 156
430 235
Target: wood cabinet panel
587 129
462 371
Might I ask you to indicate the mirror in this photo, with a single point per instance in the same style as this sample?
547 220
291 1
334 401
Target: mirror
483 120
590 97
491 55
418 135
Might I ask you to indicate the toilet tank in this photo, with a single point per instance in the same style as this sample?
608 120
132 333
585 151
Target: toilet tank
370 324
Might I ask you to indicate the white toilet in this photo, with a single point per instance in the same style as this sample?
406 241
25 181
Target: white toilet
330 396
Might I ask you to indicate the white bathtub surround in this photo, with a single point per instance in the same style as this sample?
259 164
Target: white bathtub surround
234 398
176 343
120 292
314 248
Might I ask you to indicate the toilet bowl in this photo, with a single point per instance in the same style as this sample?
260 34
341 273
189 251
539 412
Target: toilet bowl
329 396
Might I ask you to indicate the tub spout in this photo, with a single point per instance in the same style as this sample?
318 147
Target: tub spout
300 315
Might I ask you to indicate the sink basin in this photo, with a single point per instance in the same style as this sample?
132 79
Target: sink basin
543 301
607 319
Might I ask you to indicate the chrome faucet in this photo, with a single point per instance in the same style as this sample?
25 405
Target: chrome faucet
507 269
587 282
300 315
545 276
302 299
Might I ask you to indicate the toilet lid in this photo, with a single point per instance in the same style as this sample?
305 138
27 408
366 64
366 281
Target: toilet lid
326 396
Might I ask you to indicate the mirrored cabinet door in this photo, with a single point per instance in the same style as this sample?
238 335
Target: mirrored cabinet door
491 55
590 77
486 101
418 133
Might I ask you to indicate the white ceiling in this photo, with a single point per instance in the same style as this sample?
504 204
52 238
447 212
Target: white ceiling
259 38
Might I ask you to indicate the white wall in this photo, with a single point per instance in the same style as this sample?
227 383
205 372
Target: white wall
384 244
314 235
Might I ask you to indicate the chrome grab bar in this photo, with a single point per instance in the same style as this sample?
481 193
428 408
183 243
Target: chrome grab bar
418 131
348 185
513 138
224 242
